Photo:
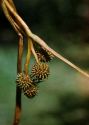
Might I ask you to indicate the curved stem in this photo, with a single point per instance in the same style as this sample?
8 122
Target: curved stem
10 19
18 19
42 43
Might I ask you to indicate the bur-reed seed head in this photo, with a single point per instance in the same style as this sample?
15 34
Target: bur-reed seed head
44 55
40 71
31 91
26 85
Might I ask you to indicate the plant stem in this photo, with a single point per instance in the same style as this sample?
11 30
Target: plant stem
18 106
20 53
18 90
7 13
34 52
26 65
12 4
19 60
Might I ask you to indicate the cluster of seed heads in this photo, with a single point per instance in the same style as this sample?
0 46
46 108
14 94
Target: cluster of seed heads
40 71
25 84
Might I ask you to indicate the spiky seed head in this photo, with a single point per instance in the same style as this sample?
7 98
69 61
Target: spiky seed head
31 91
23 81
51 56
41 57
44 55
26 85
40 71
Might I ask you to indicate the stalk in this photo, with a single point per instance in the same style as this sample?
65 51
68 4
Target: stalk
18 90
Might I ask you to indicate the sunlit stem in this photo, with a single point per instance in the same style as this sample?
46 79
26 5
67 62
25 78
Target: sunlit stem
9 17
6 12
26 65
20 54
18 18
34 52
12 4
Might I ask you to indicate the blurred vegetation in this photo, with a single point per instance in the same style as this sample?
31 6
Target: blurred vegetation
63 99
52 19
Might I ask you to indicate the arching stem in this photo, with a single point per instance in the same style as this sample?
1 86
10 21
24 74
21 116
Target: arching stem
42 43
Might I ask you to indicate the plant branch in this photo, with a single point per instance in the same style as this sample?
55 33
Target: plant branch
41 42
10 19
18 19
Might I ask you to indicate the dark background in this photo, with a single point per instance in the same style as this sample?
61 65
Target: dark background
51 19
63 99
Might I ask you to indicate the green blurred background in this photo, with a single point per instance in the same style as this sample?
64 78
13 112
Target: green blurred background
63 99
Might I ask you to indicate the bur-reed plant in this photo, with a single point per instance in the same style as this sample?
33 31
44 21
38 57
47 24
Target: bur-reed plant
27 82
